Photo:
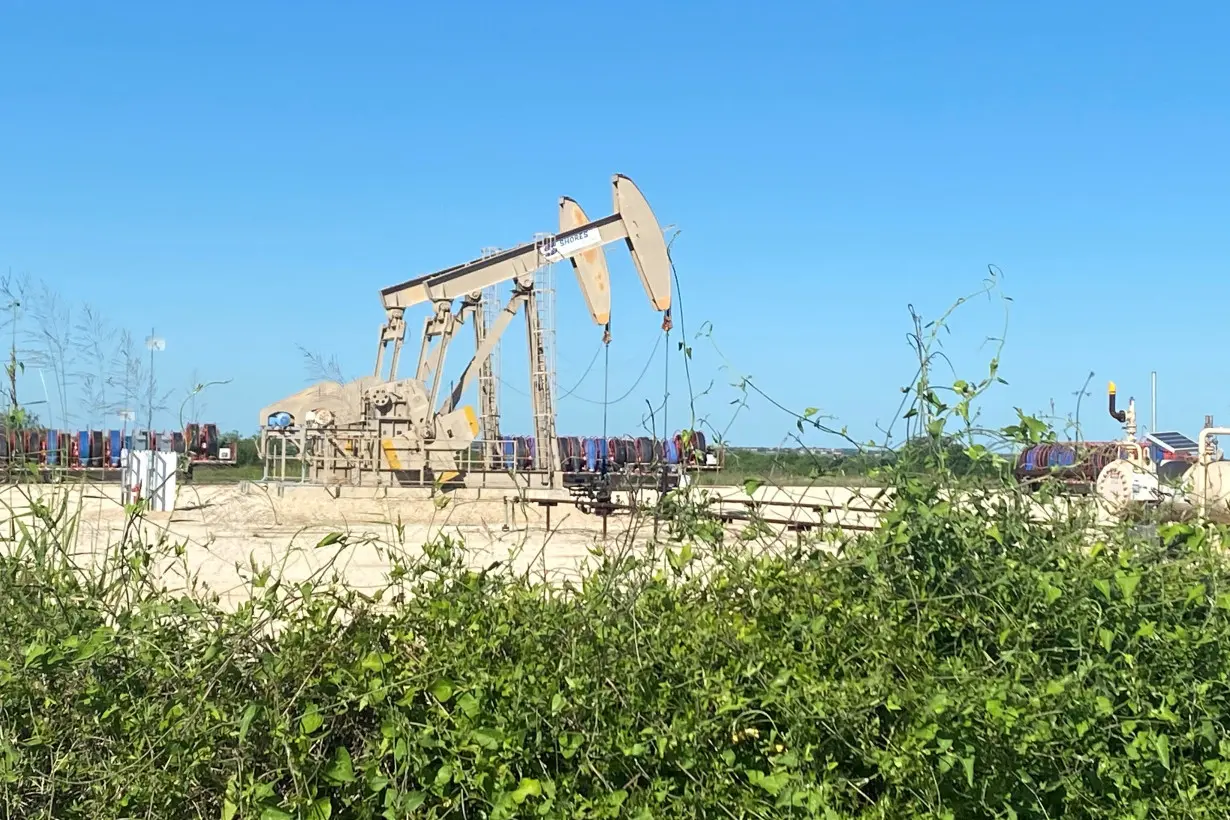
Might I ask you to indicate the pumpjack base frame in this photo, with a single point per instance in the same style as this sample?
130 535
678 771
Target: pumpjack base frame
351 456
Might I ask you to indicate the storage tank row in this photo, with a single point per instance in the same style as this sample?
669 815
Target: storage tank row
580 454
101 449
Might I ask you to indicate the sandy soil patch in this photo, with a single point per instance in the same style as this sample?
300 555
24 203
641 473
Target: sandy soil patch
223 529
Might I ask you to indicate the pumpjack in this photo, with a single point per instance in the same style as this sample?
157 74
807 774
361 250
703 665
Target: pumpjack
385 429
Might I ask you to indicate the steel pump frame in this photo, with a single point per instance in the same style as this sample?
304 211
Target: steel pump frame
387 430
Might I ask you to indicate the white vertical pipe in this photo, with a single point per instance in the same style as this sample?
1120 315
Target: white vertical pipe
1153 413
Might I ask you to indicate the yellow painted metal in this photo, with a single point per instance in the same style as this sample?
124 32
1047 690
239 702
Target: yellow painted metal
390 453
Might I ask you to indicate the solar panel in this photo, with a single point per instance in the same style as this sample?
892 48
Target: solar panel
1175 442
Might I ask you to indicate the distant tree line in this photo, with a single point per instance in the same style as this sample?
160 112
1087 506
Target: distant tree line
922 454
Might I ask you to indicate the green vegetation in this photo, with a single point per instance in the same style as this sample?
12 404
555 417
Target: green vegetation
852 467
967 659
798 466
789 467
962 661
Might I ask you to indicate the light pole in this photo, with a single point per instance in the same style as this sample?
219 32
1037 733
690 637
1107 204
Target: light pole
154 344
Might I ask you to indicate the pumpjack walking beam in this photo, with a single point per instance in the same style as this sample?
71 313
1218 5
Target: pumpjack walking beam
633 221
580 241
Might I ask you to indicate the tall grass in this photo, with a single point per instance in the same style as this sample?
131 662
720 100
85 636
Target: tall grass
74 366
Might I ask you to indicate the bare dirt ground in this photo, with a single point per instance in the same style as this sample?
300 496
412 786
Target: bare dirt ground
224 530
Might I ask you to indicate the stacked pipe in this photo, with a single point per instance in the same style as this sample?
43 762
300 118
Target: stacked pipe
1066 461
595 454
100 449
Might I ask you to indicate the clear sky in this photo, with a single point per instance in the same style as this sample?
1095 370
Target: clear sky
245 177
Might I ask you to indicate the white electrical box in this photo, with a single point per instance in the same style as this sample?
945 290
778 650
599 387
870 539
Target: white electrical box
150 476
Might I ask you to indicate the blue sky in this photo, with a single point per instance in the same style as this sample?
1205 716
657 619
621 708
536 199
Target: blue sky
245 177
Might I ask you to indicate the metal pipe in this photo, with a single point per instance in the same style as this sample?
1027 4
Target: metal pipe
1206 446
1118 415
1206 459
1153 411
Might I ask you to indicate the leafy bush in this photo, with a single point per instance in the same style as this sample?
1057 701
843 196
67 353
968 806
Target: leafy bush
803 463
970 658
963 661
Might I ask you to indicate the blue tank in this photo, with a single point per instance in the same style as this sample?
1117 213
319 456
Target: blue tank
594 450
